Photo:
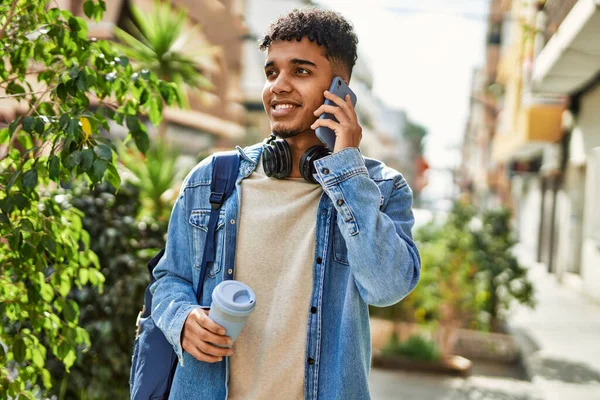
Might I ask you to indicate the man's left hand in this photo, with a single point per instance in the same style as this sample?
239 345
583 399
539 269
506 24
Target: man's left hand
348 132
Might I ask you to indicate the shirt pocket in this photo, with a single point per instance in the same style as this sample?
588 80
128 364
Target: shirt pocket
340 252
199 220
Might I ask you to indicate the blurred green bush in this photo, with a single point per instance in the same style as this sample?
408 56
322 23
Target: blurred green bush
469 276
416 347
124 244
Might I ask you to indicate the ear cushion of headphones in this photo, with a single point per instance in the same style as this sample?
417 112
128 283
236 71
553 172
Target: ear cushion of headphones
277 159
307 167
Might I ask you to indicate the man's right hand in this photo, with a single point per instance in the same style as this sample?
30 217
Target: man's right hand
199 334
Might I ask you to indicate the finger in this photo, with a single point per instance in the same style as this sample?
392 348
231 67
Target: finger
341 103
212 350
207 336
334 110
208 324
196 333
200 356
328 123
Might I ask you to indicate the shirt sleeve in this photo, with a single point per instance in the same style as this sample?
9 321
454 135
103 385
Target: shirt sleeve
383 257
173 292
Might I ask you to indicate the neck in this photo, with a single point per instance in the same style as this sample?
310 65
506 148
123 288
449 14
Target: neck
298 145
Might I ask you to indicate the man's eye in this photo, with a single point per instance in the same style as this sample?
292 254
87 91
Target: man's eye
269 73
303 71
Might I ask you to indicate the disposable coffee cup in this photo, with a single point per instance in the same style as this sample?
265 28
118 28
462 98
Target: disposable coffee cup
232 304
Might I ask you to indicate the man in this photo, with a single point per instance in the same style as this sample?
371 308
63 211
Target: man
315 254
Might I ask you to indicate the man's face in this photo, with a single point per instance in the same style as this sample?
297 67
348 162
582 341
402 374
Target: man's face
297 74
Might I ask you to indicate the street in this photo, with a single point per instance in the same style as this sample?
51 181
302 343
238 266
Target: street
487 382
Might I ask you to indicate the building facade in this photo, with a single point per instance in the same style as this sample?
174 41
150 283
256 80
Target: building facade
546 143
215 117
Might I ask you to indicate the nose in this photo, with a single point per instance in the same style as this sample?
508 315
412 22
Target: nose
281 84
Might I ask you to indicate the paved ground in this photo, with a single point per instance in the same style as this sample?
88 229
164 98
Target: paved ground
560 339
560 342
486 383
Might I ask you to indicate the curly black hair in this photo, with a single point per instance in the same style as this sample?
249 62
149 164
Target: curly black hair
327 28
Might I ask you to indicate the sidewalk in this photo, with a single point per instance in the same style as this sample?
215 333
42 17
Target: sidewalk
560 338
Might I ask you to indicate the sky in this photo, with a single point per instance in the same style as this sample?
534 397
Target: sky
422 54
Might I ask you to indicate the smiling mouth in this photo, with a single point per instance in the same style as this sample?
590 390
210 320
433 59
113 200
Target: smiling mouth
283 110
282 107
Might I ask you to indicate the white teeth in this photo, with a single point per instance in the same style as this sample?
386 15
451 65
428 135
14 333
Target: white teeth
283 106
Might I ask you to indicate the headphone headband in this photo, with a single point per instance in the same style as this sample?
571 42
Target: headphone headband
277 159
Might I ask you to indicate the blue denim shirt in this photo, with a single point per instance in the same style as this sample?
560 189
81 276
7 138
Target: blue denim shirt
364 254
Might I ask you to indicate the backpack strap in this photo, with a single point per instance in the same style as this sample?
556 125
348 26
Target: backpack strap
224 174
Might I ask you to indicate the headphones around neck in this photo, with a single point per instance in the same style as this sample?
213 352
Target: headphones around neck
277 159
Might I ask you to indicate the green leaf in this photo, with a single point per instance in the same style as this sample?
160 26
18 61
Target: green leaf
20 201
49 243
74 24
61 91
14 88
88 8
165 91
4 219
73 159
12 127
71 311
63 121
112 175
37 357
46 292
143 97
47 379
28 124
54 167
133 123
69 360
103 152
98 169
87 158
142 142
39 126
84 275
65 285
30 179
74 72
63 349
124 61
82 82
73 128
4 135
13 179
155 111
18 349
107 142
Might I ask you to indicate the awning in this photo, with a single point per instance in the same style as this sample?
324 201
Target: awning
571 58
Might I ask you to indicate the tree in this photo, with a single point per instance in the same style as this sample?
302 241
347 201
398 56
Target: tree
71 88
158 43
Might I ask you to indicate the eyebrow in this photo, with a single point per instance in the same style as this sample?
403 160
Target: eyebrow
294 61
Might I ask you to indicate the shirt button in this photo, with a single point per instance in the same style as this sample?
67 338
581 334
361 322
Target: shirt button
340 202
319 260
325 171
313 310
232 222
230 271
311 361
